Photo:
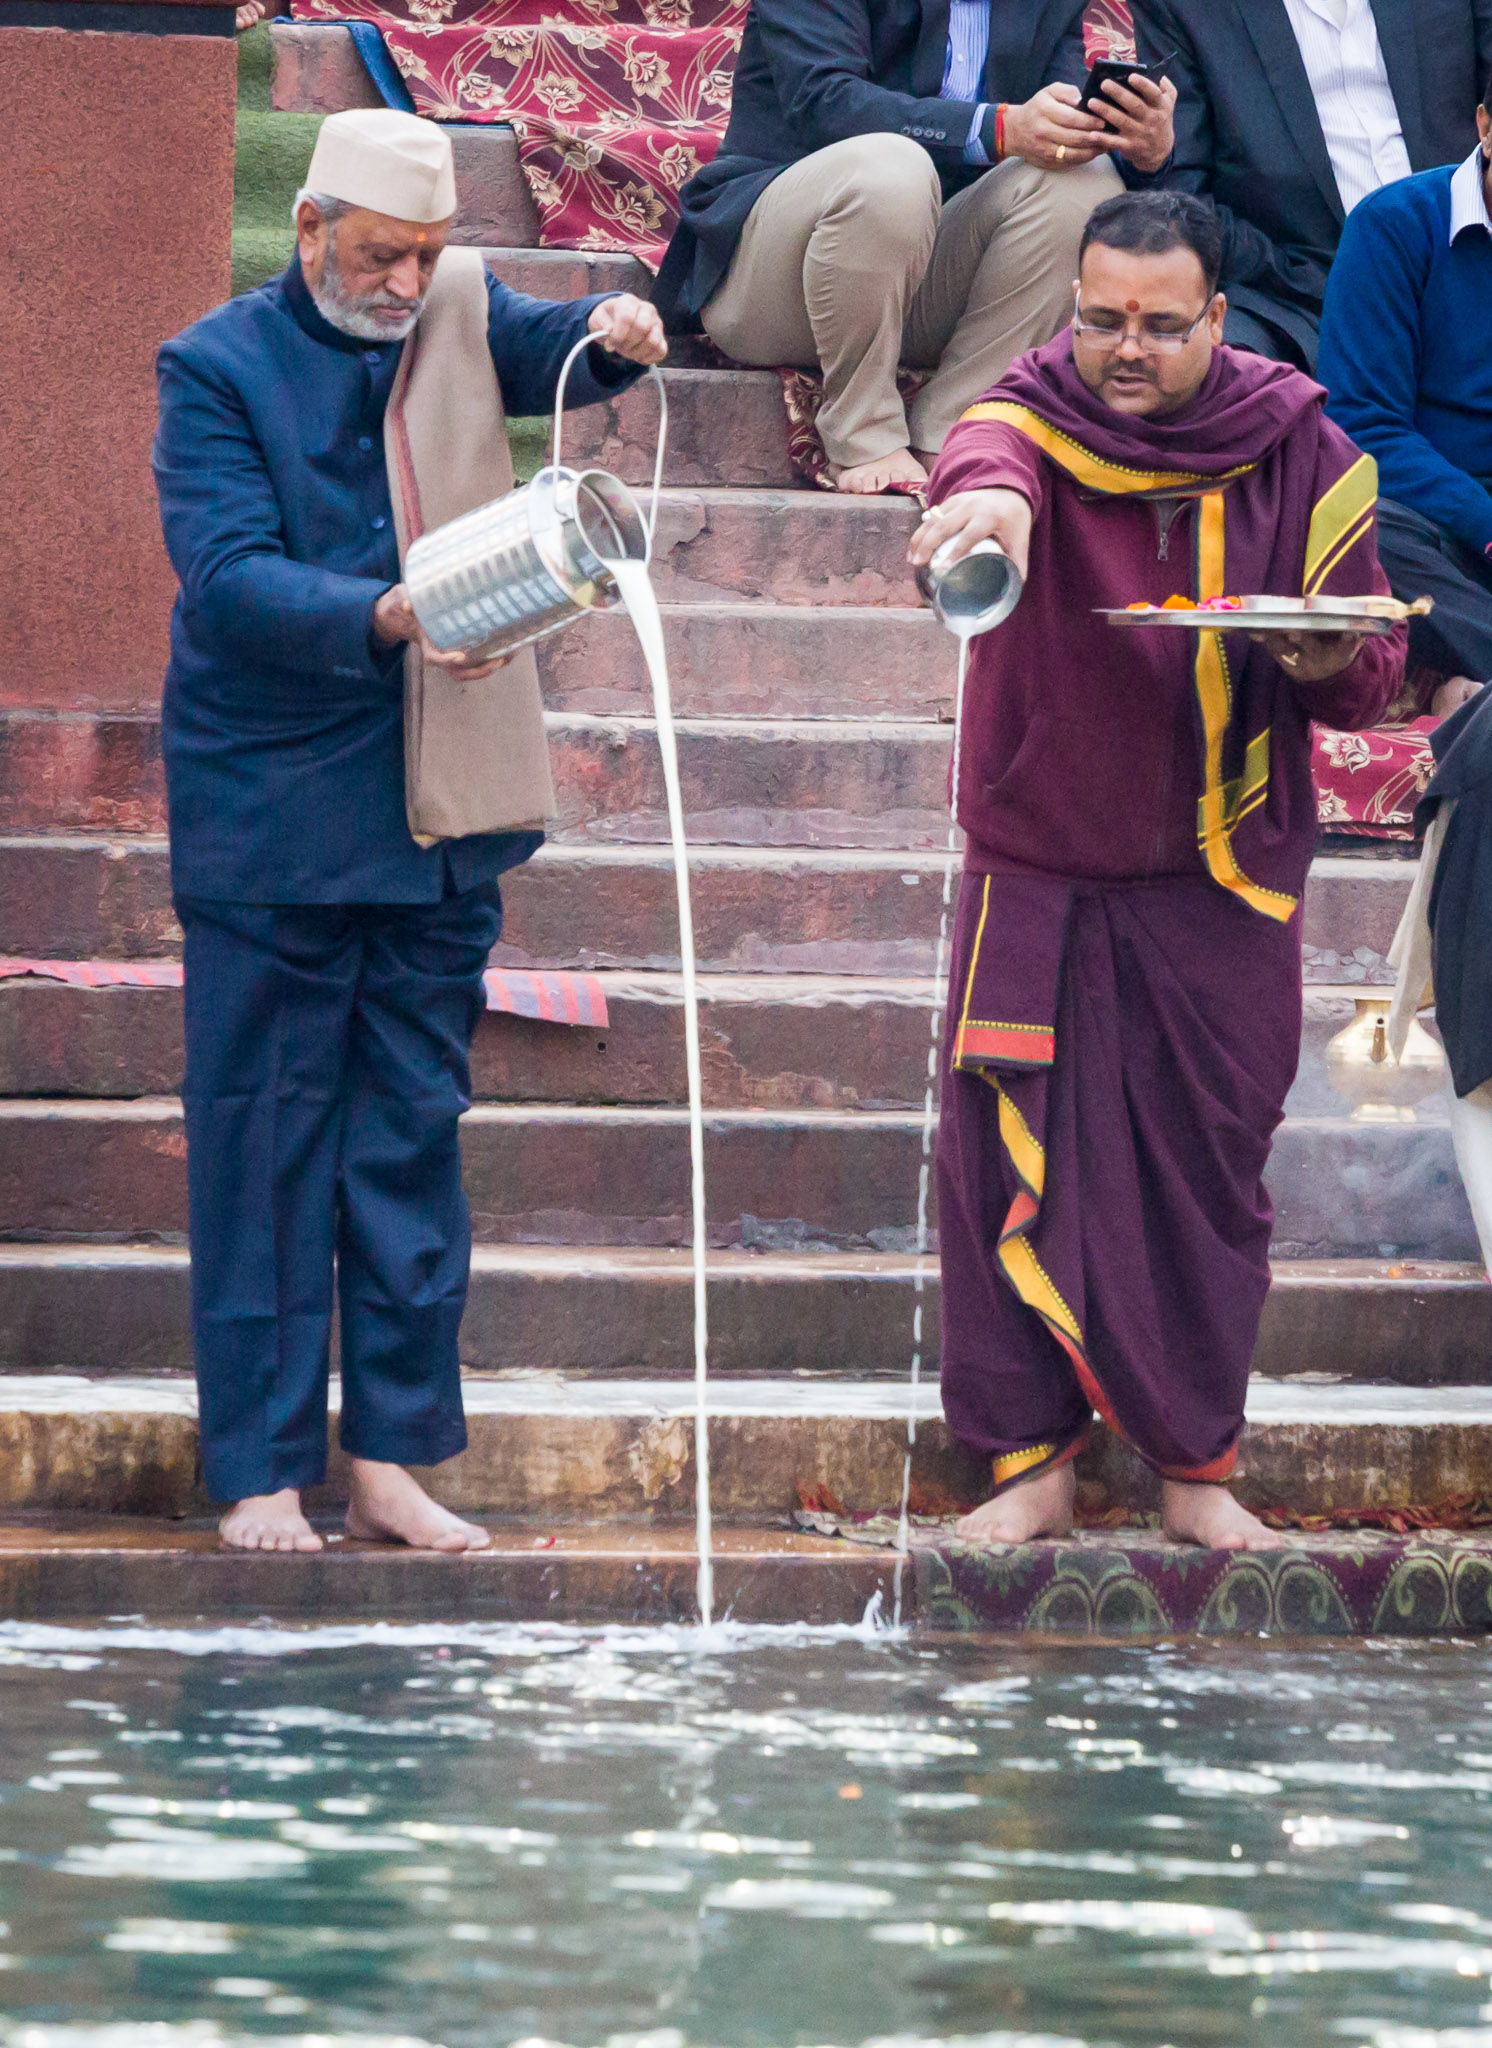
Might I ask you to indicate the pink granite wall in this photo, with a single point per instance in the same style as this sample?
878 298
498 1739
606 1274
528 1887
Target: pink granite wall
116 165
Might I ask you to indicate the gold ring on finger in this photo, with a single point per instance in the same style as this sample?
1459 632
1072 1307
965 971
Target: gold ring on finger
1062 152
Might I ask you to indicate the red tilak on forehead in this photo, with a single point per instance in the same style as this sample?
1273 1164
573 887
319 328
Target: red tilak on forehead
1131 305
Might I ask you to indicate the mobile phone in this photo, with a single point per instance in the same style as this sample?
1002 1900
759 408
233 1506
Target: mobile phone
1106 68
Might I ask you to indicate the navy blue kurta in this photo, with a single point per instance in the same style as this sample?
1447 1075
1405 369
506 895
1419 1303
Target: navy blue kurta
283 724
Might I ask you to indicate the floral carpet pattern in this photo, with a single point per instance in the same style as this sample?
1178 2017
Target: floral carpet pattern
1368 783
616 103
1131 1584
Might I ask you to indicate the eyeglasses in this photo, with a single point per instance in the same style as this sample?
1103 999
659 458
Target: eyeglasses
1154 341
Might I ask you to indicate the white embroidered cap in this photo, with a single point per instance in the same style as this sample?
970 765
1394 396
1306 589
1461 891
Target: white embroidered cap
390 162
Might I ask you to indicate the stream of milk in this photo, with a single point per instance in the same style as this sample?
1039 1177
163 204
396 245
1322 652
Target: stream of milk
635 584
924 1179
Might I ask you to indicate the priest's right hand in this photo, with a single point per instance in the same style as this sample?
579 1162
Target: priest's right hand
969 517
394 621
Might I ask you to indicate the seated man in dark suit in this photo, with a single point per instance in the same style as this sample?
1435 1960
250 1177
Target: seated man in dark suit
902 181
1404 358
1290 112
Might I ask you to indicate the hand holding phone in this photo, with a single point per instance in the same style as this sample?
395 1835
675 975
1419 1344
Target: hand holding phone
1136 102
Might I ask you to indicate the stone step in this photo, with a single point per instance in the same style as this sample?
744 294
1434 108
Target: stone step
777 1180
100 771
756 910
539 1309
585 1450
800 1041
571 274
771 562
1126 1582
759 660
790 1041
746 781
318 71
59 1567
724 427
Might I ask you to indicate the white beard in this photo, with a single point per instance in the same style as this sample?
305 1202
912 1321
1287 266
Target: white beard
358 317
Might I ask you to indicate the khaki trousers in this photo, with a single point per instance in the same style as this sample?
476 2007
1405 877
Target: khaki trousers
851 263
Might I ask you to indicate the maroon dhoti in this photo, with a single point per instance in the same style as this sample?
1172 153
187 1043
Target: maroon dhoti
1116 1061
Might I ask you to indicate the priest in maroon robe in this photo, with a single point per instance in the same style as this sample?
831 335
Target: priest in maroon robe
1125 996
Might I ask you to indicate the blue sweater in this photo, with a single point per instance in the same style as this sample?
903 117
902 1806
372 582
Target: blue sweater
1406 352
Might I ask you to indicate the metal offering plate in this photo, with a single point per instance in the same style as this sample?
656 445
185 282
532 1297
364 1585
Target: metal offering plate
1276 615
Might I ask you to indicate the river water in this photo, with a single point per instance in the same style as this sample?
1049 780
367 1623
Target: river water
494 1835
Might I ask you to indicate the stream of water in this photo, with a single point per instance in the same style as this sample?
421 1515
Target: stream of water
929 1106
635 583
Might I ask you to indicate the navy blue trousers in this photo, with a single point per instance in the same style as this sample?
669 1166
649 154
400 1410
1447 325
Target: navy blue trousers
326 1068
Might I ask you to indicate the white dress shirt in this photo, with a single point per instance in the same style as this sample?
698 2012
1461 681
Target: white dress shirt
1339 42
963 67
1469 196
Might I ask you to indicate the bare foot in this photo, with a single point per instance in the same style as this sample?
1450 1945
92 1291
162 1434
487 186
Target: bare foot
268 1521
389 1506
1209 1515
870 479
1035 1507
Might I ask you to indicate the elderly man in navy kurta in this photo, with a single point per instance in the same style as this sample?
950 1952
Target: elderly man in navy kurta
333 966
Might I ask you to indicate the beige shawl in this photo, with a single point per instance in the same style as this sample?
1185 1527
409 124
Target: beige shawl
1410 953
475 757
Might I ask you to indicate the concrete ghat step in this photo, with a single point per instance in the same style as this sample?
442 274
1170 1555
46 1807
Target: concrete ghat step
1114 1582
569 273
91 771
803 1179
724 427
791 1041
318 71
755 782
588 1450
58 1567
746 781
771 1041
756 910
544 1309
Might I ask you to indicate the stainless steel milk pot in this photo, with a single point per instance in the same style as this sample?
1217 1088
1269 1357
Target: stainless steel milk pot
524 566
974 593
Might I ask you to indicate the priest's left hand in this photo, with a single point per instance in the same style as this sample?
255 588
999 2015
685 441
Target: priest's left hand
1311 657
629 327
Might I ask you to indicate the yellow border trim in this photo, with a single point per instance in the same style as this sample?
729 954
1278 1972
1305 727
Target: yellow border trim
1034 1286
1026 1154
973 961
1337 520
1015 1463
1099 474
1222 804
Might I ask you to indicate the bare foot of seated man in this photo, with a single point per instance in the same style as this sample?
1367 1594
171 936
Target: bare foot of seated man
1041 1506
871 479
268 1521
388 1505
1209 1515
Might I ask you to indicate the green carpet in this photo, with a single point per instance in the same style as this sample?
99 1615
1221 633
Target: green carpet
269 167
271 154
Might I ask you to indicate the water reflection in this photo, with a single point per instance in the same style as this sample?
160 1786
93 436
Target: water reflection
534 1836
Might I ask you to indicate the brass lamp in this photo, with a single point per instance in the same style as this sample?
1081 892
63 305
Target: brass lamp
1360 1065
